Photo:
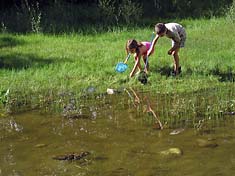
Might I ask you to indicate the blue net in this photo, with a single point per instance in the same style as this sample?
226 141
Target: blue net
121 67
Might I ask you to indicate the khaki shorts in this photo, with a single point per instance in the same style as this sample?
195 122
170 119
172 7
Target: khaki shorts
182 39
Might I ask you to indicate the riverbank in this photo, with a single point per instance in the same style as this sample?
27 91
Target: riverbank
38 68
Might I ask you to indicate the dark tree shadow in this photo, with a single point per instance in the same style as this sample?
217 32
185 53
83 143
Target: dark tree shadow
7 41
23 61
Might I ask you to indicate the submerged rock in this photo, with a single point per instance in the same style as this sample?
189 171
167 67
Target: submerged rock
206 143
71 157
172 152
120 171
40 145
100 158
177 131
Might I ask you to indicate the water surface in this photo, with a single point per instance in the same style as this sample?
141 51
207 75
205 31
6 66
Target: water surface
122 136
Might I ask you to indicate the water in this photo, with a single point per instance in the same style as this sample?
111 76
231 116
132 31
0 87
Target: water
123 136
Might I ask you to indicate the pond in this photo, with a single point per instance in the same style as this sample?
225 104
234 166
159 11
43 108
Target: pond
120 134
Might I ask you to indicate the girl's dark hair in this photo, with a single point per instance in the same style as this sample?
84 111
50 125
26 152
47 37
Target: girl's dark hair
160 28
132 43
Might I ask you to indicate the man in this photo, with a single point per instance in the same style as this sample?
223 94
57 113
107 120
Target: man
177 34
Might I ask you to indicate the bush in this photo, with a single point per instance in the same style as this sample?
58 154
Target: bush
231 13
124 12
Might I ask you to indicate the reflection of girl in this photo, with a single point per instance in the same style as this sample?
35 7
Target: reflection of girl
139 49
148 109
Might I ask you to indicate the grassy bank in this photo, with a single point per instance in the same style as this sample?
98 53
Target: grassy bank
40 67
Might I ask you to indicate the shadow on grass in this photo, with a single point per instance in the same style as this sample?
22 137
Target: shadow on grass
7 41
23 61
223 76
164 71
168 71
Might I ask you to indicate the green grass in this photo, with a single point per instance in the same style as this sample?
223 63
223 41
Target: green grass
38 65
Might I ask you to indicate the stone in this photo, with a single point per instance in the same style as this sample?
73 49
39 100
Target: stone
206 143
172 152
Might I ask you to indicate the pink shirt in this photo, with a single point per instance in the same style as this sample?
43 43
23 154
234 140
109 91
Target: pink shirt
148 45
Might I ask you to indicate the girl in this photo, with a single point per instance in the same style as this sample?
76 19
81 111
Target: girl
139 49
177 34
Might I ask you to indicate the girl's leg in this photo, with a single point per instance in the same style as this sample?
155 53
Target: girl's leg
176 61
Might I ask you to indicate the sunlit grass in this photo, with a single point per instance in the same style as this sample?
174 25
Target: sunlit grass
37 64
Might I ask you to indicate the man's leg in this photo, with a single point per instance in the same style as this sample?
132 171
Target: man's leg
176 61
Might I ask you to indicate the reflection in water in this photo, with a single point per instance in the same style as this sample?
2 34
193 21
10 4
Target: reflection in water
117 132
15 126
10 125
9 157
147 106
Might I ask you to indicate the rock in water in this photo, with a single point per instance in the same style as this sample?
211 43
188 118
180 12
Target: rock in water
40 145
174 152
71 157
177 131
206 143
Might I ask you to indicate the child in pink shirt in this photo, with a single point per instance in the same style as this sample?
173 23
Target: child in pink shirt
139 49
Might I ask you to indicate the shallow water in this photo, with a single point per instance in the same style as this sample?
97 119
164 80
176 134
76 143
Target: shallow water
122 137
